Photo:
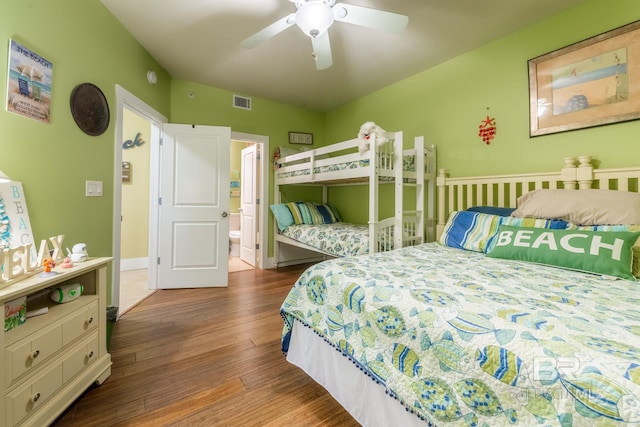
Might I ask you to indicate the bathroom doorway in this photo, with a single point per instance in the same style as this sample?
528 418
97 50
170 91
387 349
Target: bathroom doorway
244 213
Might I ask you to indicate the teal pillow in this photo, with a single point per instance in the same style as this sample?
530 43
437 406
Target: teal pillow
602 252
283 215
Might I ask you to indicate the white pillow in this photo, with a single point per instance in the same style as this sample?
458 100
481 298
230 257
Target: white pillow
583 207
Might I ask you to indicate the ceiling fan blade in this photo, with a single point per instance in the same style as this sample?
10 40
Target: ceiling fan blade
368 17
270 31
322 51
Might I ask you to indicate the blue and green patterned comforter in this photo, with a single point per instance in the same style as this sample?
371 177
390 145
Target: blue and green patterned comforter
466 340
339 239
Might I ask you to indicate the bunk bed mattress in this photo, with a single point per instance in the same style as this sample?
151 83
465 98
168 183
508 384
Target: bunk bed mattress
463 339
340 239
408 165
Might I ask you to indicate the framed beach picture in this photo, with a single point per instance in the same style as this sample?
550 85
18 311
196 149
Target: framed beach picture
28 83
590 83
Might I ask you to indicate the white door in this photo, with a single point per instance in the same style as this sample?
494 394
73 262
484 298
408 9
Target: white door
193 235
248 208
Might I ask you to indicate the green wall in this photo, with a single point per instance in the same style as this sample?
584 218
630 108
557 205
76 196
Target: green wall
85 44
446 104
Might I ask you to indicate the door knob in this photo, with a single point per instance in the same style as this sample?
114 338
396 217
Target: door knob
225 214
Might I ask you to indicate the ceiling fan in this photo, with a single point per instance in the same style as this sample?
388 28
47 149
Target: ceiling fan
314 17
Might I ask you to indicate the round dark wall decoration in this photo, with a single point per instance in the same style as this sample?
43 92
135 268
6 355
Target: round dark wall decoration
89 109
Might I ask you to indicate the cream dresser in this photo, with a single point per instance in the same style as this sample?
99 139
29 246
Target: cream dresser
53 358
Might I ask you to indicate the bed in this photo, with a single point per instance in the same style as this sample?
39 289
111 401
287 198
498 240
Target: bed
344 164
490 334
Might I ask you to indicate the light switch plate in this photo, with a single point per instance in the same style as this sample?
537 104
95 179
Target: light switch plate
93 188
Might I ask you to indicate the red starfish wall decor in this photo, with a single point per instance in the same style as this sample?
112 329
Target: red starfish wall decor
487 130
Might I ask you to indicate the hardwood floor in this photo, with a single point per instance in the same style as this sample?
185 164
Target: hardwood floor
207 357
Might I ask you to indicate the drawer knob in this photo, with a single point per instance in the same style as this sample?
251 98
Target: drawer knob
90 320
35 354
35 398
90 355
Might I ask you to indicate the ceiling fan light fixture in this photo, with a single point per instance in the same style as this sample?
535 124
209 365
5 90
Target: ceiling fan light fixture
314 19
340 12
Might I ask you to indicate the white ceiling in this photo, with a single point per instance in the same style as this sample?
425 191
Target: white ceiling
199 41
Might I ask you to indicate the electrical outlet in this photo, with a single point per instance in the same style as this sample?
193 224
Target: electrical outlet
93 188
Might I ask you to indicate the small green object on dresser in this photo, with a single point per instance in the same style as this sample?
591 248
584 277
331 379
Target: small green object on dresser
66 293
15 313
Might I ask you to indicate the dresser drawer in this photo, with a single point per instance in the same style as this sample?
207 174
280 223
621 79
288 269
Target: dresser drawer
79 323
29 353
27 398
80 358
32 351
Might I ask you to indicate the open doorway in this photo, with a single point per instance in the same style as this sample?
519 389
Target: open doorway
238 183
134 234
247 189
137 267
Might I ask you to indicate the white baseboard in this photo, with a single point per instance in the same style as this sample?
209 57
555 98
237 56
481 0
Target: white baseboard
271 263
134 264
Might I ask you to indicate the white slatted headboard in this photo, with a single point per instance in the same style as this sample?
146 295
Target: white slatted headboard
455 194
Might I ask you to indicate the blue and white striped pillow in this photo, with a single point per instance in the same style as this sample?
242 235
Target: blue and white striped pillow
475 231
326 213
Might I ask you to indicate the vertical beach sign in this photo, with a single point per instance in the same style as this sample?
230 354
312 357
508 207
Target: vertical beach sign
15 227
29 83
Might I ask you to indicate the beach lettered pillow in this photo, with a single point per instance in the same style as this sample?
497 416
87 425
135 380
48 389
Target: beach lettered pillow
635 269
600 252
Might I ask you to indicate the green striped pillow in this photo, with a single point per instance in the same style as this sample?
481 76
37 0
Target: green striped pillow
306 213
315 217
295 213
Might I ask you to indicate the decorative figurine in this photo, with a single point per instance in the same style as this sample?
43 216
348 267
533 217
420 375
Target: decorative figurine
66 263
78 253
48 264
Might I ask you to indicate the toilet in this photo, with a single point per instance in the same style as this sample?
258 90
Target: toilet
234 234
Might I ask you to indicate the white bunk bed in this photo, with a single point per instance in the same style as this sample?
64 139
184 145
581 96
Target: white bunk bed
343 164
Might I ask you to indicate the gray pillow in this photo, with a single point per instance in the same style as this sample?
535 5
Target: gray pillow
582 207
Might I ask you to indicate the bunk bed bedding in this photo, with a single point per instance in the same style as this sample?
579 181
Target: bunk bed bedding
464 339
408 165
339 239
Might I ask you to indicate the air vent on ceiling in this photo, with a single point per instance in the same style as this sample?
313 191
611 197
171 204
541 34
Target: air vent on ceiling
241 102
